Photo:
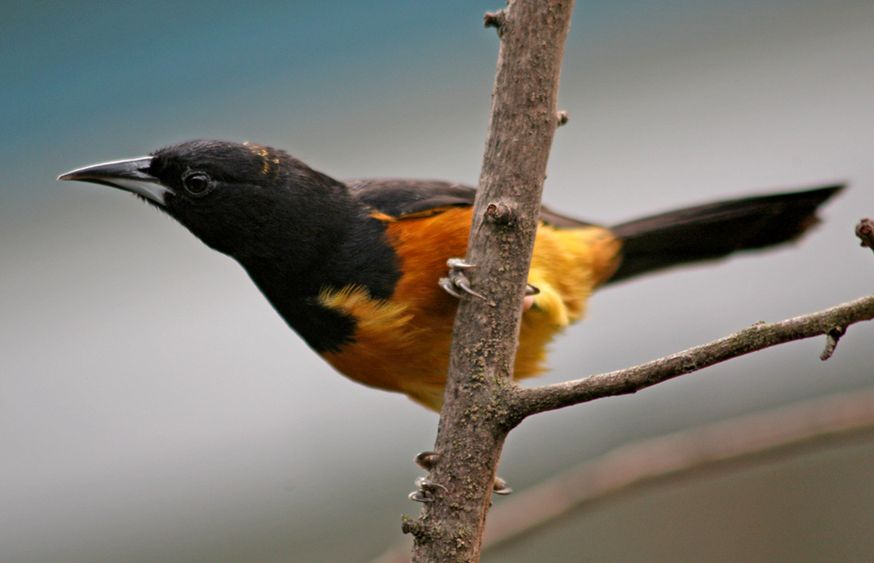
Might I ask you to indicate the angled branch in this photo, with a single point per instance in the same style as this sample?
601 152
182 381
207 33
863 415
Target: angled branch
831 322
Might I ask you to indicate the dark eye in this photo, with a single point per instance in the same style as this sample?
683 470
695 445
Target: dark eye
197 183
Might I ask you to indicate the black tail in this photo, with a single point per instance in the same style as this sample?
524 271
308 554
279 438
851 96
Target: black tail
716 229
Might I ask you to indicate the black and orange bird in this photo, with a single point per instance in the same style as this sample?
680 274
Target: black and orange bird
355 267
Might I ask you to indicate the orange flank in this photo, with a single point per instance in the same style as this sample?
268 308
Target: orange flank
402 343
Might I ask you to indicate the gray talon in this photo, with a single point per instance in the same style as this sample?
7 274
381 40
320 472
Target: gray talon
420 496
458 264
501 487
427 486
532 290
448 287
425 489
426 460
456 283
460 280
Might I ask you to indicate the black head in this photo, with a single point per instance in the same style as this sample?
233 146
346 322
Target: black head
226 193
295 230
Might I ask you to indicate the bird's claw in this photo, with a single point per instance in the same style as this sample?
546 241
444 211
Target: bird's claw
425 490
456 282
459 264
426 460
458 279
447 286
420 496
501 487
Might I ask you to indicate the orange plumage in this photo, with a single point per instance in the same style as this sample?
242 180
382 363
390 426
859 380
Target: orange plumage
402 343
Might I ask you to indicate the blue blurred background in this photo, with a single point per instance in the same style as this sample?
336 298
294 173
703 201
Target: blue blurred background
154 408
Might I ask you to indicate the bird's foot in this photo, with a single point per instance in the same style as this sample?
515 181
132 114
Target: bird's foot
427 489
457 283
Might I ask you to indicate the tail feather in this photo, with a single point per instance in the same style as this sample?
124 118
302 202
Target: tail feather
715 230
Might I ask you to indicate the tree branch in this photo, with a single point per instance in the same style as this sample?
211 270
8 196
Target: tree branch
474 421
830 322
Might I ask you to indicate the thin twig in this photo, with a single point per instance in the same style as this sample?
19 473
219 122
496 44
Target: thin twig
629 380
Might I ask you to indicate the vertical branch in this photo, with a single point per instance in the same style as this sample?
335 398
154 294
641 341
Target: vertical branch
475 417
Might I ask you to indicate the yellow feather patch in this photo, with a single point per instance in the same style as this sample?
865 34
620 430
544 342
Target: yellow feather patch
371 314
385 338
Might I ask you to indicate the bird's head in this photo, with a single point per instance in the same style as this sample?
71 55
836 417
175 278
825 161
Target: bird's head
239 198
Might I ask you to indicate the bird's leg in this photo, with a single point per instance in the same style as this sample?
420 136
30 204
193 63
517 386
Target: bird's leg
456 282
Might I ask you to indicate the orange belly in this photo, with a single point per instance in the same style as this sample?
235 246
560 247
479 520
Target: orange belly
402 343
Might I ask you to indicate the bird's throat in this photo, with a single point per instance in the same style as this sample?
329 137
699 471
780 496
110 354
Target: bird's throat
356 256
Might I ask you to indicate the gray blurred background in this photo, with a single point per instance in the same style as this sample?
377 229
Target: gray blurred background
154 408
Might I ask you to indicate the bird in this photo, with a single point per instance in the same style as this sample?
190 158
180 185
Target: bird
367 272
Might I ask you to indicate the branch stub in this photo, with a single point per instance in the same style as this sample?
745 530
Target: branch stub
501 213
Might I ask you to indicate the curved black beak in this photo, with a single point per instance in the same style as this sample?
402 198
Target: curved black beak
131 175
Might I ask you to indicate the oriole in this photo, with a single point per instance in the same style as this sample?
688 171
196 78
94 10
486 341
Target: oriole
353 267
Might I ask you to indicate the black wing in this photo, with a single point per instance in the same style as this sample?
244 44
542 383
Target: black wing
399 198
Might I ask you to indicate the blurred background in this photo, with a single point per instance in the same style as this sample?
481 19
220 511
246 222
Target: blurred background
154 408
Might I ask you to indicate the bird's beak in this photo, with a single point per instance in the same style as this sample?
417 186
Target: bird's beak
131 175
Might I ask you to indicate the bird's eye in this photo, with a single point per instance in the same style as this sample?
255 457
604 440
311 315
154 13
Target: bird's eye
197 183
